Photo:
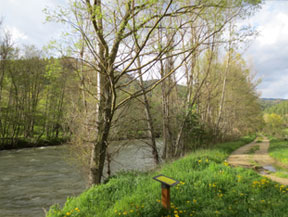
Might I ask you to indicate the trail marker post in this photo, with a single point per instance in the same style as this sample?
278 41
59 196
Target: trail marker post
166 183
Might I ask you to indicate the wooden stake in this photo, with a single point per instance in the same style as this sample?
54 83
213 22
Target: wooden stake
165 196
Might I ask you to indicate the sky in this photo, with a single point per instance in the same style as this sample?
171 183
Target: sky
268 53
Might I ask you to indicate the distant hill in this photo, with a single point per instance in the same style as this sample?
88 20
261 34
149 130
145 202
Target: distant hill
269 102
280 108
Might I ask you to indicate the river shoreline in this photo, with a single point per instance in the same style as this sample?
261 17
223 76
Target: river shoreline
22 143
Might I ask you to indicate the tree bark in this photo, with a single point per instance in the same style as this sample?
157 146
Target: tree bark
104 116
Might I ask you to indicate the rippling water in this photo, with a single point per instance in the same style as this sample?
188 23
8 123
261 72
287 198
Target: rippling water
33 179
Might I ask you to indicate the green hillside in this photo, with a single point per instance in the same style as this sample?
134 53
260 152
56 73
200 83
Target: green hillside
266 103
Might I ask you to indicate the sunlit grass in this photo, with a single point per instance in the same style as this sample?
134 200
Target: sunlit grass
279 150
208 187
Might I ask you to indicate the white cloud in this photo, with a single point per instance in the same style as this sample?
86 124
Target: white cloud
25 20
275 31
16 34
270 48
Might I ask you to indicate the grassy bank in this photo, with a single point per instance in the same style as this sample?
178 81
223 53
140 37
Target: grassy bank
208 187
279 150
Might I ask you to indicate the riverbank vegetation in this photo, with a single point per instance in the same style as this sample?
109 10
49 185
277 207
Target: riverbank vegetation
208 187
33 98
200 90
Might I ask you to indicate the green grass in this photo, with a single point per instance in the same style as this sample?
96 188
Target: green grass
279 150
282 173
259 139
253 149
209 187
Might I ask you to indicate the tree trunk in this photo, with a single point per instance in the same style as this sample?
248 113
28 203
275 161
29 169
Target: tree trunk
149 118
105 115
167 133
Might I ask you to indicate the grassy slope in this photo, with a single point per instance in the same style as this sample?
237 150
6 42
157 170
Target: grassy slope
209 187
279 150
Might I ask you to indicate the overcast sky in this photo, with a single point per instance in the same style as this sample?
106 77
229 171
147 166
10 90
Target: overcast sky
268 52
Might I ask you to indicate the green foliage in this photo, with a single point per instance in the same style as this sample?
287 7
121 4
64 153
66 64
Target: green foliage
273 124
268 103
280 108
208 187
33 100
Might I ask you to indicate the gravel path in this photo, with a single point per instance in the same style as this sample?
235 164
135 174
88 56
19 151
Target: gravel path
258 160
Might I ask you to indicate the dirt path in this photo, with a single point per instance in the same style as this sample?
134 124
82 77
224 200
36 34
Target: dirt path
259 160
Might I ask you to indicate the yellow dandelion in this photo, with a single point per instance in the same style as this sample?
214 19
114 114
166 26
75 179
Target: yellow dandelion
220 195
226 163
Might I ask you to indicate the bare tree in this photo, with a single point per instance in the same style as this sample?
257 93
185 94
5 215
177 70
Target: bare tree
114 53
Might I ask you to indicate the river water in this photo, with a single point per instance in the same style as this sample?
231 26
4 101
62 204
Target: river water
33 179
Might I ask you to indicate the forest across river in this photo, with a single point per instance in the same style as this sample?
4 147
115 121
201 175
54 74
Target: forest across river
33 179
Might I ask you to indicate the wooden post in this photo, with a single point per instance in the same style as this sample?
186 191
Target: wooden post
165 196
166 183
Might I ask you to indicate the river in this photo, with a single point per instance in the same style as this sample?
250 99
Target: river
33 179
